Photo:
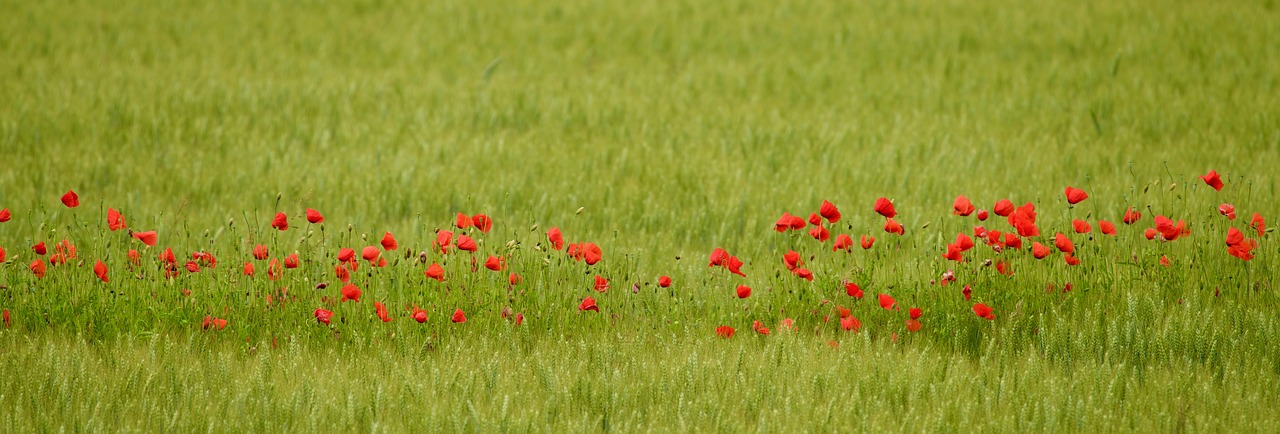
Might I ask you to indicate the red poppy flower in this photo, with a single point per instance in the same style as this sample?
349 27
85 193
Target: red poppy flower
915 312
370 253
602 284
982 215
980 232
37 267
664 281
993 237
842 312
815 219
1167 228
783 222
494 263
718 257
280 222
893 227
1234 237
792 260
5 215
435 271
40 249
967 291
115 221
442 241
351 292
963 242
788 221
1227 210
1012 241
1164 260
1003 208
323 315
1039 251
843 242
1242 250
381 311
591 253
465 243
260 252
193 267
419 315
1131 216
6 317
248 269
134 257
341 273
724 331
759 328
735 266
744 291
389 242
850 324
820 233
2 254
344 254
953 253
458 317
1063 243
804 273
1075 195
213 323
1081 226
867 242
1107 227
462 222
962 206
555 238
887 302
100 270
885 208
984 311
1213 179
852 290
314 216
291 261
796 223
1024 220
71 200
274 270
66 249
1258 224
1071 259
519 318
588 304
167 256
829 212
913 325
482 222
1150 234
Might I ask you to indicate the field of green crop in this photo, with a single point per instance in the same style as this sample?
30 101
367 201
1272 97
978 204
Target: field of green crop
660 132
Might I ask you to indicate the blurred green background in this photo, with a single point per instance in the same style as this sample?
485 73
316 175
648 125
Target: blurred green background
680 125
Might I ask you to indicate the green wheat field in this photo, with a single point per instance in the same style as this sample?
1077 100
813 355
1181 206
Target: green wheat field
674 136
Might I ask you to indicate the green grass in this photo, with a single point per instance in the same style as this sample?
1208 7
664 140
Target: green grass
658 130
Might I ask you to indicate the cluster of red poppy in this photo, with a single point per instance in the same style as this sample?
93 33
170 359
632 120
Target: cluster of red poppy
1021 220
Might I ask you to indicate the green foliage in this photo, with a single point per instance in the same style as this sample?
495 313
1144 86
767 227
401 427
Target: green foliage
658 130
